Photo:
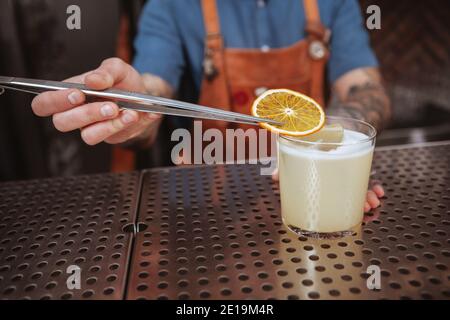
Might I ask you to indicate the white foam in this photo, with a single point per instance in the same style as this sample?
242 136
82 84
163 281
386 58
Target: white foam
351 148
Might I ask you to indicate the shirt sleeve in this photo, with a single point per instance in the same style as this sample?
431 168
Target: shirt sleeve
158 44
350 47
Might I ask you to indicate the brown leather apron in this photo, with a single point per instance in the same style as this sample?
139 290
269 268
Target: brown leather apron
233 78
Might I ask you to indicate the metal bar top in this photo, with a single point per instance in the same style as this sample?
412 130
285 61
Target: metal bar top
215 232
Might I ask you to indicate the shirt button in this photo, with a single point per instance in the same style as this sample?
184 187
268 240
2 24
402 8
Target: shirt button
261 3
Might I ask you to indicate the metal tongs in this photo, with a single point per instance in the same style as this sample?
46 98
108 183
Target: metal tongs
132 100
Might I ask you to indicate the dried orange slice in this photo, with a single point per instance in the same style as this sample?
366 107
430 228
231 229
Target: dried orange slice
300 115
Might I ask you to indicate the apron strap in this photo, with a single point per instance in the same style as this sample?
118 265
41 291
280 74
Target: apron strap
311 10
318 37
214 39
314 27
215 83
211 18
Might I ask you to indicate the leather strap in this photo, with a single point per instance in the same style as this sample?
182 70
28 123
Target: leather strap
314 27
316 32
214 87
311 10
214 40
210 16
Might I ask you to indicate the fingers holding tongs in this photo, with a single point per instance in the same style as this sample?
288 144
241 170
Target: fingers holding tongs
135 101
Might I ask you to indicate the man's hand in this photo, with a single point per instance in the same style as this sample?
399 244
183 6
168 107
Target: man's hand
372 197
102 120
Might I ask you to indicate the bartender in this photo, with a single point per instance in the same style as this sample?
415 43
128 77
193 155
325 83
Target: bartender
234 50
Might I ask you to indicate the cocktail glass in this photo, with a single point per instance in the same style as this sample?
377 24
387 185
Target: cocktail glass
323 184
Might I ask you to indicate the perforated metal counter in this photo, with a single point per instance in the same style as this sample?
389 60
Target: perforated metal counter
215 232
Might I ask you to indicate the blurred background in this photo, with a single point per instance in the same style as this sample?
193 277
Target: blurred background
413 48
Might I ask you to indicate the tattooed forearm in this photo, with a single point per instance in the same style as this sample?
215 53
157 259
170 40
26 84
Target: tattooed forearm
361 95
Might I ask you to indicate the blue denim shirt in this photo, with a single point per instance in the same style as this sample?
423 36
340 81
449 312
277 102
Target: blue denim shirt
171 33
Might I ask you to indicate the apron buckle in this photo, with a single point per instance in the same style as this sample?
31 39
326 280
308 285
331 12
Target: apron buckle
317 50
209 69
